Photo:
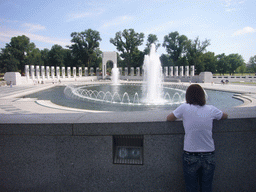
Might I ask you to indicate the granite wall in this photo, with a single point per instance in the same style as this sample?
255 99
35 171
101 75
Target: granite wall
79 157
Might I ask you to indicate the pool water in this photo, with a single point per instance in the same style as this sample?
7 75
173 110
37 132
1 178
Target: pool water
56 95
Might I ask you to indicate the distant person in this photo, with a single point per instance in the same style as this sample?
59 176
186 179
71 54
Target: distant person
198 155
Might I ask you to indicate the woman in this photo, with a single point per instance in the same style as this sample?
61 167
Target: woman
198 155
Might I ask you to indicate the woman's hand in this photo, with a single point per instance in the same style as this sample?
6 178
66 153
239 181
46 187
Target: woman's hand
171 117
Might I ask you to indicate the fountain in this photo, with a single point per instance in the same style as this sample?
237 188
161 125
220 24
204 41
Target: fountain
153 78
115 75
148 93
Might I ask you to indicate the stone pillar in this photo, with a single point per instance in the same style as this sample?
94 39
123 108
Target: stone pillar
27 71
176 72
58 72
132 71
120 71
42 72
97 71
165 71
86 71
91 71
37 72
186 71
181 71
74 72
205 77
192 70
137 71
69 72
80 71
126 71
171 71
48 72
52 72
63 72
32 71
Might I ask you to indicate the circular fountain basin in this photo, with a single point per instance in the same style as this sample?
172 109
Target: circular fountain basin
123 94
126 97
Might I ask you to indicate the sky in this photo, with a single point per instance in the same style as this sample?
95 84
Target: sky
230 25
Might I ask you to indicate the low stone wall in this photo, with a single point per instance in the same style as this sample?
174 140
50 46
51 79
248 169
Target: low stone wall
24 80
17 79
79 157
192 79
247 78
3 83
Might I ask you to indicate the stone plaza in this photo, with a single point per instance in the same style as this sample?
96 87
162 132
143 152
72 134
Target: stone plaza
49 147
46 147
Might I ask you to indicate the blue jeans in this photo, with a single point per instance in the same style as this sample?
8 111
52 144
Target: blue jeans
198 171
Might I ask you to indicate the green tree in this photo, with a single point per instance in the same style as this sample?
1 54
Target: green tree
16 52
138 58
222 64
45 56
34 58
234 61
68 58
8 63
84 46
195 50
182 61
56 56
166 60
252 64
151 39
96 58
127 42
241 69
210 62
120 61
175 45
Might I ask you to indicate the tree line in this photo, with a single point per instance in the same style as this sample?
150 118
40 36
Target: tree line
84 52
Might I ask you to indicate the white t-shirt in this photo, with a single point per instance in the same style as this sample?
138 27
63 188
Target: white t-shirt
197 122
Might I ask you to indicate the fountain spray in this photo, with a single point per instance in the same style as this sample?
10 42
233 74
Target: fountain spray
152 81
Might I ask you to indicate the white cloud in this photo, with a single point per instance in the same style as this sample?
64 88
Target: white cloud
160 28
8 21
118 21
244 31
6 33
32 27
231 4
241 2
230 10
95 12
227 3
6 36
80 15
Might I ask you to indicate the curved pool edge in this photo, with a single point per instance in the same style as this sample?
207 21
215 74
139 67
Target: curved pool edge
49 104
20 110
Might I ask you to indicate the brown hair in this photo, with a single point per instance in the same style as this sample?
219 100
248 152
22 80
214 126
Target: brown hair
195 95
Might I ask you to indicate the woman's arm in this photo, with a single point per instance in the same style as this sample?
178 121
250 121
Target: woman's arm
171 117
224 116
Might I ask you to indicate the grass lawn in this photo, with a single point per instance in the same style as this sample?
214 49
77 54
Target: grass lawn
244 83
1 76
236 74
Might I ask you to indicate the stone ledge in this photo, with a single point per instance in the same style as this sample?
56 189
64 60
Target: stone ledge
125 128
36 129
